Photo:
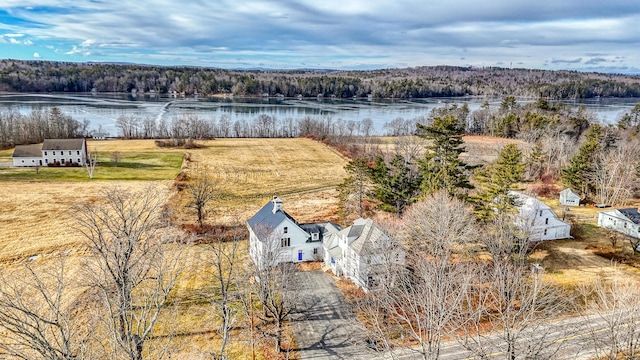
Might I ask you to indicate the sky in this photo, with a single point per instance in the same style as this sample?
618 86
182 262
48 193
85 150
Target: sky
584 35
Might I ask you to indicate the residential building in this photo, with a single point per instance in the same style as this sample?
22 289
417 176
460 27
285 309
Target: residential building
276 237
27 155
363 253
58 152
625 221
538 220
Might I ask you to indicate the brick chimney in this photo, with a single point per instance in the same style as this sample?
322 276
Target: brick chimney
277 204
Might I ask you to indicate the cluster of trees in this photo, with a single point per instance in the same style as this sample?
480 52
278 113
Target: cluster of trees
18 129
419 82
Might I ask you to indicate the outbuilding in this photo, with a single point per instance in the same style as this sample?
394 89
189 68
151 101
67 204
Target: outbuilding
569 197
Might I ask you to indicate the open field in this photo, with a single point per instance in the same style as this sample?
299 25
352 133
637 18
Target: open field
37 219
138 160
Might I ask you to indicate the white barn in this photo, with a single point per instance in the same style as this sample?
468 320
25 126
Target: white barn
361 253
276 237
625 221
27 155
569 197
538 220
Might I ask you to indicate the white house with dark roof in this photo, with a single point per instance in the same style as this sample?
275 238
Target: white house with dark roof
276 236
65 151
60 152
538 220
27 155
625 221
361 252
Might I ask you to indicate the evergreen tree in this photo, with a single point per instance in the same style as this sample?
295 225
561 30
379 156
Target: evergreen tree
576 174
354 190
496 180
396 185
535 161
441 168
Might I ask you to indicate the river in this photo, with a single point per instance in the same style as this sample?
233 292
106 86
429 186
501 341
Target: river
103 109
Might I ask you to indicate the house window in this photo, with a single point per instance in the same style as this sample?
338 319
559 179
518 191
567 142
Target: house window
77 151
286 229
69 152
545 231
315 236
546 221
540 212
62 161
315 251
625 225
46 161
285 242
45 153
78 161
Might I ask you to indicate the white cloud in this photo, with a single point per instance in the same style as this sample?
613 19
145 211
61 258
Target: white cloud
36 55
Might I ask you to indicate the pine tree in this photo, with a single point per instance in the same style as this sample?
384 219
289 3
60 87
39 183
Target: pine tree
396 185
441 168
535 161
354 190
496 180
576 174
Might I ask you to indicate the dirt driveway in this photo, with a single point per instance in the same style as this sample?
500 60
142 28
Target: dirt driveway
325 327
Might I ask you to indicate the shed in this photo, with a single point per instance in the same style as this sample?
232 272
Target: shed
569 197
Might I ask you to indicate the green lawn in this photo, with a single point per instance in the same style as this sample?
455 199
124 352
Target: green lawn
131 166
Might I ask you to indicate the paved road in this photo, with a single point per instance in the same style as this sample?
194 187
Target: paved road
325 327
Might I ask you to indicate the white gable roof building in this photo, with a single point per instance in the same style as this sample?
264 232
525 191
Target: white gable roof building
276 237
360 252
538 220
625 221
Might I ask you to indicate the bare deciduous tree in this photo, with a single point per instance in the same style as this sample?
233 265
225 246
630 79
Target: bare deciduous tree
224 275
272 283
616 301
423 301
133 263
514 304
36 314
202 190
614 174
91 163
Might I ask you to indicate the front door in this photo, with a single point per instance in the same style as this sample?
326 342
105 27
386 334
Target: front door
299 255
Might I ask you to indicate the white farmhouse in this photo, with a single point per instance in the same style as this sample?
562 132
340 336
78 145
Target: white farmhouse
58 152
625 221
27 155
362 252
569 197
538 220
277 237
65 152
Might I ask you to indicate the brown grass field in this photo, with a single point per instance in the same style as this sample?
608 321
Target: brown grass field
37 217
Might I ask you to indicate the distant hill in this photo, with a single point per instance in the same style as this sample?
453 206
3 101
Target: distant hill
418 82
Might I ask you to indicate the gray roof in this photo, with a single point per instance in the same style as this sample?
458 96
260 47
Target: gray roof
632 214
569 191
28 151
363 236
265 220
321 228
62 144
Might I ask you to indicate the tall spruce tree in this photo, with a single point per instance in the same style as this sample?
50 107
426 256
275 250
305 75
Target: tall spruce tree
396 185
496 180
441 168
354 190
576 174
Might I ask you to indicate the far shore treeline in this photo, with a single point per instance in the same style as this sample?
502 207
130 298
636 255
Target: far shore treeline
418 82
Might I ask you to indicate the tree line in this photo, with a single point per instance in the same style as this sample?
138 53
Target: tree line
419 82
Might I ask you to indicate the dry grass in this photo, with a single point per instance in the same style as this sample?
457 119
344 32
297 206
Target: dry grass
304 173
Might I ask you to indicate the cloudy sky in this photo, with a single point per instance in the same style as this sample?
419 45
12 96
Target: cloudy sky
354 34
